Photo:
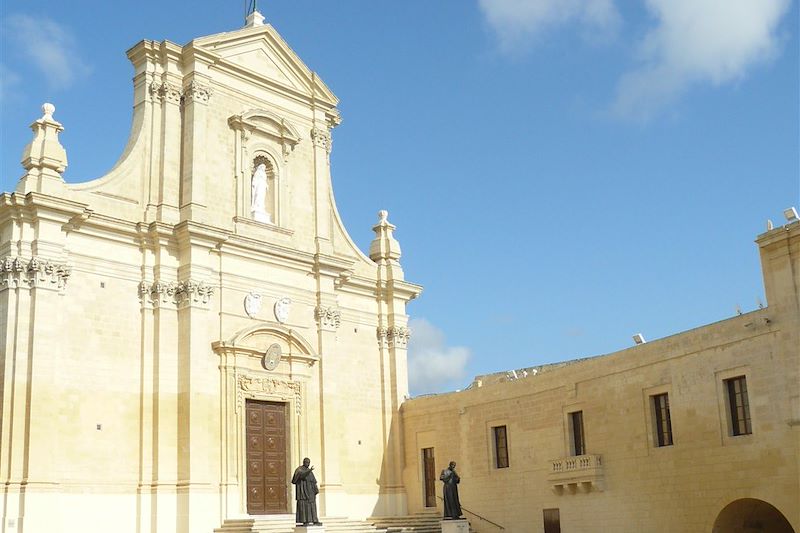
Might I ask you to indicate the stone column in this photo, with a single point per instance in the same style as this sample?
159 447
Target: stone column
328 317
393 335
198 381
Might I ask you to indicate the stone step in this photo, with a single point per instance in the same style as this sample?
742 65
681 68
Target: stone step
415 523
286 524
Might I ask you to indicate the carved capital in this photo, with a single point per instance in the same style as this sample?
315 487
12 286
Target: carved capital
163 90
35 272
195 92
192 292
383 336
181 294
397 336
328 317
322 139
158 293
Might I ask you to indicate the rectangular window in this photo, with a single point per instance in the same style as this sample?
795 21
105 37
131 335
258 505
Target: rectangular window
739 406
576 432
552 521
662 419
500 446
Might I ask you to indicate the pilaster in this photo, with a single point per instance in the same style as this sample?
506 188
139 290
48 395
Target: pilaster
197 93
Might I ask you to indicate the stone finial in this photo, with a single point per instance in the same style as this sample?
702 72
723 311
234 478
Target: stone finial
254 19
384 246
44 159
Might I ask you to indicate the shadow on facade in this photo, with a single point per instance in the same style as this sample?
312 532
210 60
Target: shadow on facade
749 515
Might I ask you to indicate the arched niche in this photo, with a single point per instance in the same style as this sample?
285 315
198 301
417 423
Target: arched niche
262 136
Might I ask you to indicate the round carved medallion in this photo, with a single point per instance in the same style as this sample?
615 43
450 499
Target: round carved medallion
272 357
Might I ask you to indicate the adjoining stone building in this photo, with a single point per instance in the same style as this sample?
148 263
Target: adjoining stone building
697 432
178 334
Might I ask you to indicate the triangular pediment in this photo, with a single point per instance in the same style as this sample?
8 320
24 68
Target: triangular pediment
263 53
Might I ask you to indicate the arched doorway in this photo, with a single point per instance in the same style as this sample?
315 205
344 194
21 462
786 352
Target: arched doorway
749 515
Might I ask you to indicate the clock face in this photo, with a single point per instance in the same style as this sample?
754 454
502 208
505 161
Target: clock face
272 357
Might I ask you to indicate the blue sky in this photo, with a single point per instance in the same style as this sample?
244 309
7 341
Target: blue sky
563 173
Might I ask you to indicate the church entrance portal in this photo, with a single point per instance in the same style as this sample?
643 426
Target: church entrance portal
749 515
267 462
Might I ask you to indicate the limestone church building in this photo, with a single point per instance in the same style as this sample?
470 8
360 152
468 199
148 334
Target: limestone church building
180 333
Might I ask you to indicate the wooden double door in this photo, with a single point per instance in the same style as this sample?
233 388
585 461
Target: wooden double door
267 457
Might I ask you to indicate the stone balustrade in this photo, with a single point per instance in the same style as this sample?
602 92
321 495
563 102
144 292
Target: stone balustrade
576 473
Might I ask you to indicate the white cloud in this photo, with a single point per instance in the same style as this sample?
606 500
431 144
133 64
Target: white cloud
49 46
517 21
697 41
433 366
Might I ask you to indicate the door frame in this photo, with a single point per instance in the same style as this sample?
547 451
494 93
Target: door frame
287 448
268 389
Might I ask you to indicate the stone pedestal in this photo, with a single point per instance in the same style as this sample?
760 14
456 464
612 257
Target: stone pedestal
320 529
455 526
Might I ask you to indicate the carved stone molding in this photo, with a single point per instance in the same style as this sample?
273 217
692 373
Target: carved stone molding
163 90
194 292
34 272
181 293
196 92
158 292
383 334
397 336
329 317
267 389
322 139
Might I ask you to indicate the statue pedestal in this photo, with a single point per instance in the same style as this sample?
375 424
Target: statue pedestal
311 529
455 526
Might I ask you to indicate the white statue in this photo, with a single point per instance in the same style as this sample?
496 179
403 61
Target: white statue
258 194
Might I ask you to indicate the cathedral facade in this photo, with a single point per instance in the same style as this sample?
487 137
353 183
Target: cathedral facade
180 333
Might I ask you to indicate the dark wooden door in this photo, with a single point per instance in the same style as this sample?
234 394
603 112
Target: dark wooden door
429 469
267 487
552 521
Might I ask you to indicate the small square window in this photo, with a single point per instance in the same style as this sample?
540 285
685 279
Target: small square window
500 446
663 422
739 406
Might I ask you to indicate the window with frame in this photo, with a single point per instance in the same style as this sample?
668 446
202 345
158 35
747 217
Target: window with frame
577 436
739 406
500 446
663 422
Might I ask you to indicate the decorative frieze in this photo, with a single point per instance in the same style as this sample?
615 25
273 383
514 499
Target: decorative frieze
322 139
329 317
262 388
181 293
164 90
34 272
196 92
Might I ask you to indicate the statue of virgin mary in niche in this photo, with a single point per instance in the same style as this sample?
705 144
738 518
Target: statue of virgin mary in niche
258 194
